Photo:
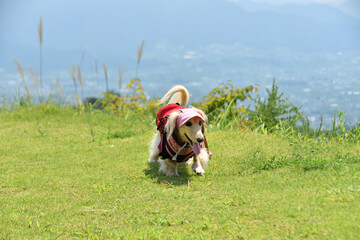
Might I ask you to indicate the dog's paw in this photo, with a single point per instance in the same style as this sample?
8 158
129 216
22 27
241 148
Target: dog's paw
169 173
172 174
189 162
199 170
153 160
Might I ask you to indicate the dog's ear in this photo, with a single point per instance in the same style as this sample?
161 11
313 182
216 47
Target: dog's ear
203 115
171 123
200 112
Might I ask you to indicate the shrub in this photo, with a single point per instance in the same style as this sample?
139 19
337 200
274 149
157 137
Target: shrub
269 112
222 103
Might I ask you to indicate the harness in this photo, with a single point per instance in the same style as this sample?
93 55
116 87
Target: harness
169 148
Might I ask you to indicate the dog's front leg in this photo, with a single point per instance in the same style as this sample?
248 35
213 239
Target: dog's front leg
196 167
168 167
200 162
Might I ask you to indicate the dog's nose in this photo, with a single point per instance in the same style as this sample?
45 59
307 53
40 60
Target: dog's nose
200 140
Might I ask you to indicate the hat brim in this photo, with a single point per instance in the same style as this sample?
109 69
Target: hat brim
186 115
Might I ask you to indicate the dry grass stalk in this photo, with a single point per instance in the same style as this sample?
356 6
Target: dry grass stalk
79 75
59 87
120 80
96 72
73 76
106 77
81 81
139 56
21 71
72 73
40 42
140 52
34 77
40 31
35 81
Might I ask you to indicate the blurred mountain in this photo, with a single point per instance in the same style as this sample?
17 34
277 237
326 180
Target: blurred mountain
114 29
351 7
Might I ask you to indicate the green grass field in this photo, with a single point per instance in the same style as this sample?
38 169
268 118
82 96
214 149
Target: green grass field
57 180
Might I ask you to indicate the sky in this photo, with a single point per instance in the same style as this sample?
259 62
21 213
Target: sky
351 7
277 2
78 25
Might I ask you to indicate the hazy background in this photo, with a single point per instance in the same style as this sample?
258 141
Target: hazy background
311 47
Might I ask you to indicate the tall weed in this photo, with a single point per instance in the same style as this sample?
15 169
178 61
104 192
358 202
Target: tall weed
269 112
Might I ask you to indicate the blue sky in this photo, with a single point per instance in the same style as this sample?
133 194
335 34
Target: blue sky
351 7
16 16
336 2
118 27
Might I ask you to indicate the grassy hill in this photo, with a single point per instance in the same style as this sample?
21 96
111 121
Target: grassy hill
60 180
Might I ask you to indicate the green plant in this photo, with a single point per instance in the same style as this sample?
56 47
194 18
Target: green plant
306 129
43 132
222 104
268 113
136 94
341 125
108 135
92 132
354 134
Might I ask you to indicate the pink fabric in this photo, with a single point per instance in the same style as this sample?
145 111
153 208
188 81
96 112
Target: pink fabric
175 147
186 115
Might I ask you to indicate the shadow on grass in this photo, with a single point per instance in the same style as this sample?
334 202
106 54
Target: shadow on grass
152 171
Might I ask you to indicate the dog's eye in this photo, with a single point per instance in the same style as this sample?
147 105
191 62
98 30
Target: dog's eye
200 123
188 124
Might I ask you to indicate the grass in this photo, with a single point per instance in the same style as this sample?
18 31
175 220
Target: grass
57 182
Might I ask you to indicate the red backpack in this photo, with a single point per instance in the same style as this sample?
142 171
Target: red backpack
163 114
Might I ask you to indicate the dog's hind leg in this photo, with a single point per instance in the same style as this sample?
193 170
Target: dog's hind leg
168 167
200 162
154 152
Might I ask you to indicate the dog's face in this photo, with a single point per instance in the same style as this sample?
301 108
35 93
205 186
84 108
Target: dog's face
191 131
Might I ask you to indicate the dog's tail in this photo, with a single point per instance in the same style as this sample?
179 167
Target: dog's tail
181 96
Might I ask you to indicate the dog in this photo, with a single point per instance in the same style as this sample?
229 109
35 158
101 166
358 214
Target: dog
181 132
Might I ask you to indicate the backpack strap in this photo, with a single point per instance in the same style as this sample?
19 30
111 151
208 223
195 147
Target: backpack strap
162 122
207 146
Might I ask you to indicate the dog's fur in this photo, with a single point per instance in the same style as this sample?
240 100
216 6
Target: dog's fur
195 132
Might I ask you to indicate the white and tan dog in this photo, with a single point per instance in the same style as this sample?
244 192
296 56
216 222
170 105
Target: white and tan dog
181 132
